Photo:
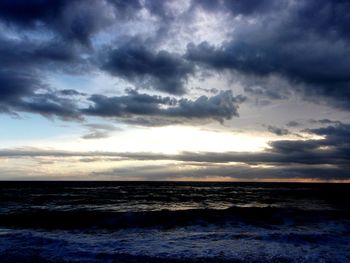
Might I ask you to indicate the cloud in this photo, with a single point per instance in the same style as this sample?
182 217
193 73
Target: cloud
161 70
27 13
293 124
48 105
16 84
338 134
71 20
22 85
23 88
219 107
22 54
325 121
277 130
97 134
234 172
22 91
271 42
237 7
99 131
70 92
311 51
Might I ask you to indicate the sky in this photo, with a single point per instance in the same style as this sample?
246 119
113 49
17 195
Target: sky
191 90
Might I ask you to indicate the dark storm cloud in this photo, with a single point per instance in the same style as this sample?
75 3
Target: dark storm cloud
27 13
304 42
48 105
293 124
18 94
132 103
127 9
22 85
324 17
78 20
237 7
19 54
20 91
307 43
277 130
72 20
24 61
25 93
335 135
70 92
325 71
219 107
17 84
325 121
161 70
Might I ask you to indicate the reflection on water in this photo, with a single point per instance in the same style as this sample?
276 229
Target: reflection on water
123 197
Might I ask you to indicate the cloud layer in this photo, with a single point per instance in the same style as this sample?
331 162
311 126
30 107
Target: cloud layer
283 38
323 159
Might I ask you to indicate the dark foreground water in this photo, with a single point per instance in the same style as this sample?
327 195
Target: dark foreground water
174 222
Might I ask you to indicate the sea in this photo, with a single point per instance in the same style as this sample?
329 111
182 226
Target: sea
174 222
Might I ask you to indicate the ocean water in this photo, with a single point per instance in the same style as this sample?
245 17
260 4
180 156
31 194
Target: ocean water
174 222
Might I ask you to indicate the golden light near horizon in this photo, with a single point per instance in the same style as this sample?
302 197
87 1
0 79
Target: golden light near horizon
175 139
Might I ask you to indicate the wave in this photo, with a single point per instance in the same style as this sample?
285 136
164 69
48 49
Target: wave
81 219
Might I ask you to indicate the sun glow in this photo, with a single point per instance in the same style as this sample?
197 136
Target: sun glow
175 139
168 140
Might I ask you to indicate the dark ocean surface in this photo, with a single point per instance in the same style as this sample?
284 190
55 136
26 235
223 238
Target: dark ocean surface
174 222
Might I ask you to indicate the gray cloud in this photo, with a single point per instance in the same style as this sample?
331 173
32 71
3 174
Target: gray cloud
293 124
219 107
96 134
325 121
71 20
305 43
24 92
277 130
22 85
49 105
70 92
99 131
23 88
311 51
236 7
161 70
240 172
